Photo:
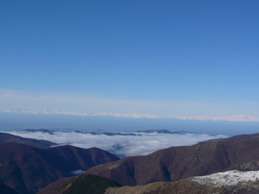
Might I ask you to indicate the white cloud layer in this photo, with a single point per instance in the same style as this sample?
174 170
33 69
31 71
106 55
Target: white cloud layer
127 144
234 118
88 105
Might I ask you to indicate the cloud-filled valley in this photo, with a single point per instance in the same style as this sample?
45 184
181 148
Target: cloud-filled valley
121 144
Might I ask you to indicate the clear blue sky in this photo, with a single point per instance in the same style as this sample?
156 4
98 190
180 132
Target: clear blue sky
137 50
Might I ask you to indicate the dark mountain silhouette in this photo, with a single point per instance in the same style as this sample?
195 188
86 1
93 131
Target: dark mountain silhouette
8 138
175 163
51 132
27 169
162 131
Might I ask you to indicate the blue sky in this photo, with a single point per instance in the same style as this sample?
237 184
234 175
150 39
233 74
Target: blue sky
197 58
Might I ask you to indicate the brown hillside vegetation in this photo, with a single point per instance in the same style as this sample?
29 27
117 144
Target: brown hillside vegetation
27 169
175 163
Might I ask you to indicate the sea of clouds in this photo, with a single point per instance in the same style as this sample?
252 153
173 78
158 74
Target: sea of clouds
121 144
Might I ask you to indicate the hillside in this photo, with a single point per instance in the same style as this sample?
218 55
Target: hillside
175 163
230 182
81 184
27 169
8 138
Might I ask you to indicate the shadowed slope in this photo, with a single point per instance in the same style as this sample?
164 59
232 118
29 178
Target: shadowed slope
27 169
81 184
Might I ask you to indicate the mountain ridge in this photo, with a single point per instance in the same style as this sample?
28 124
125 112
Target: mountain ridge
9 138
175 163
27 168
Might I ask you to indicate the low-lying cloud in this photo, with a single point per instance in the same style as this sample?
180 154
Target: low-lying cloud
121 144
233 118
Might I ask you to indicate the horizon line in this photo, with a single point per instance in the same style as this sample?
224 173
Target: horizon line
230 118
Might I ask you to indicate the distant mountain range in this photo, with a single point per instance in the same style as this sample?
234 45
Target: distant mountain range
109 133
162 131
